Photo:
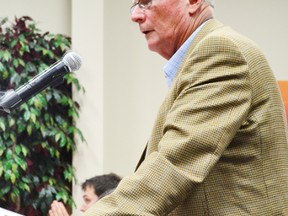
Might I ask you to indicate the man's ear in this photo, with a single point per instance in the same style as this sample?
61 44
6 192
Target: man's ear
194 5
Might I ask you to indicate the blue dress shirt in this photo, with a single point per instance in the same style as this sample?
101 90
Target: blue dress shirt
171 67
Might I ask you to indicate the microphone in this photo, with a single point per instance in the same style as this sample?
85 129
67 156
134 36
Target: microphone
52 76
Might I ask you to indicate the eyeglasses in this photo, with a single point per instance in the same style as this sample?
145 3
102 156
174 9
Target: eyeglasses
143 4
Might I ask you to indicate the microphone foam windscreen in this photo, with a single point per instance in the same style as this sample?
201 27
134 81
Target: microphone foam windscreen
72 60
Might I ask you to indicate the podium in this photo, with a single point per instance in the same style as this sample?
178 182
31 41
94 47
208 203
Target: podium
5 212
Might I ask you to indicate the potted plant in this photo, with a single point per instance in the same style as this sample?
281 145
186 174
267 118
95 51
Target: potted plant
36 139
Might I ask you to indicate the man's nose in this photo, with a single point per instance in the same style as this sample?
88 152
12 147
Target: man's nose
137 15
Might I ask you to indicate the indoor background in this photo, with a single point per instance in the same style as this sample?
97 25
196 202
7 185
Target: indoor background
124 81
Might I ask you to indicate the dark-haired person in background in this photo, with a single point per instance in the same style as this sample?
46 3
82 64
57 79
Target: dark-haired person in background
93 189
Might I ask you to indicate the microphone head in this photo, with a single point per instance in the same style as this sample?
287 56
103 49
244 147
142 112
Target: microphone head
72 60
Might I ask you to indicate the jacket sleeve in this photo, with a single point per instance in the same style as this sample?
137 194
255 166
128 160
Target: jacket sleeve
211 96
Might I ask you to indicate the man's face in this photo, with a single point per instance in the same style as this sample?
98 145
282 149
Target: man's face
163 25
89 198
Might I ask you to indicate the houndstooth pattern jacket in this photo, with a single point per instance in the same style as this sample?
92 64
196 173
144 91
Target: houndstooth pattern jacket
219 143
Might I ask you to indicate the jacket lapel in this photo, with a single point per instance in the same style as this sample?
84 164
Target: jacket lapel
151 146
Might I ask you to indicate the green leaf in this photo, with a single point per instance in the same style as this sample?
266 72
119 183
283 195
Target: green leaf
24 186
5 74
38 103
57 137
24 150
1 170
2 149
64 198
46 117
43 145
7 56
27 188
18 149
13 196
9 154
42 100
36 180
13 137
52 152
35 111
26 48
33 117
30 67
57 96
20 127
16 191
11 122
63 140
3 21
13 43
15 62
21 51
1 54
57 154
70 112
29 130
21 163
44 51
27 115
4 190
48 96
14 168
26 180
2 68
62 46
50 54
2 126
68 175
79 132
44 178
51 182
6 135
21 62
7 175
21 38
23 166
64 100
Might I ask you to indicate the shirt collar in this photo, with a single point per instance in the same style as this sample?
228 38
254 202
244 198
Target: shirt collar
171 67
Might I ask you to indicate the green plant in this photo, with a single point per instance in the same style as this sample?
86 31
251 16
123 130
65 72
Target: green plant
36 139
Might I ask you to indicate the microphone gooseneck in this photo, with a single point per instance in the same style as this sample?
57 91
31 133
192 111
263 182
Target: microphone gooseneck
52 76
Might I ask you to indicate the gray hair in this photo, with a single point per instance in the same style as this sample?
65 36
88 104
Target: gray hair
210 2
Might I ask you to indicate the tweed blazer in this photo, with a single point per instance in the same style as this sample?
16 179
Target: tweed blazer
219 143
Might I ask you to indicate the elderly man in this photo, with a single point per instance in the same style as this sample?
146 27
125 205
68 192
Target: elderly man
219 143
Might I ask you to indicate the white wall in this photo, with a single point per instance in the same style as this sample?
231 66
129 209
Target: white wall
264 23
134 86
53 15
87 40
